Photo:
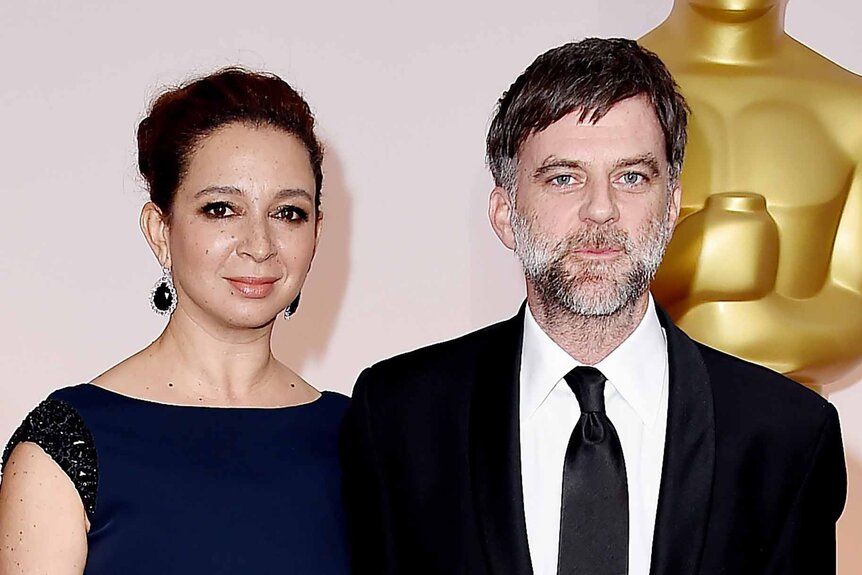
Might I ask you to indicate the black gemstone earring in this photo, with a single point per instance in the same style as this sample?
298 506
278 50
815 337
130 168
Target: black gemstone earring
163 297
291 309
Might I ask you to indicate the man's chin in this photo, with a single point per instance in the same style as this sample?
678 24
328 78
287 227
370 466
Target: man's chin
596 308
591 298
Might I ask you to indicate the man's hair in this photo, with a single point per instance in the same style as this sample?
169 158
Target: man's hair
591 76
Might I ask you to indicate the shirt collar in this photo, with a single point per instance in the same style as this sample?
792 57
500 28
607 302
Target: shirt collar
637 369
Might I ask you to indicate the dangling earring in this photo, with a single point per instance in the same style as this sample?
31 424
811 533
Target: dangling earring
291 309
163 297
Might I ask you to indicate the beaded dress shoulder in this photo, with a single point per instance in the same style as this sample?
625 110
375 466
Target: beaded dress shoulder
59 430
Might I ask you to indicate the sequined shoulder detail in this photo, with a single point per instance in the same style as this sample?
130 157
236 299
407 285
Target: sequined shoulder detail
58 429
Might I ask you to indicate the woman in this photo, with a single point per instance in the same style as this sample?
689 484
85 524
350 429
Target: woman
202 453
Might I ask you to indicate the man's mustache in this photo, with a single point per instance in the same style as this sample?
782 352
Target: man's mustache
600 239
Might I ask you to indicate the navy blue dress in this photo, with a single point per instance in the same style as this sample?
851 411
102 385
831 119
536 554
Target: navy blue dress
187 489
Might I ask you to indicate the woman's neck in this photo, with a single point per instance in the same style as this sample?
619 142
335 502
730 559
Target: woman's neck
222 366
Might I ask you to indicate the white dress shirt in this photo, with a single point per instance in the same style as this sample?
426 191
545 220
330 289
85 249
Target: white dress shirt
636 403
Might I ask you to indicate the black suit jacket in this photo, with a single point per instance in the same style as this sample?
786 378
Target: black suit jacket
753 478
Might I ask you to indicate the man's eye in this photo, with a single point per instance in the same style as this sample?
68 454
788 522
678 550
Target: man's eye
291 214
563 180
218 210
632 179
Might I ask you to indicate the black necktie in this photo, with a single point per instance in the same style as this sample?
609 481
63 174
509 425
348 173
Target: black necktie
594 517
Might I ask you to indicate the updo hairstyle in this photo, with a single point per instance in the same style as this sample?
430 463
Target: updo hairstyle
180 118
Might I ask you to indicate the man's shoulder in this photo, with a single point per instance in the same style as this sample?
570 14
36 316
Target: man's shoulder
744 392
459 353
761 399
734 374
443 365
771 427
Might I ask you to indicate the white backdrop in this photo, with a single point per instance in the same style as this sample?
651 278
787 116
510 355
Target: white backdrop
403 93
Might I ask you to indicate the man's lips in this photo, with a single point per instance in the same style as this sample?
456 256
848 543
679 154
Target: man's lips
252 286
597 252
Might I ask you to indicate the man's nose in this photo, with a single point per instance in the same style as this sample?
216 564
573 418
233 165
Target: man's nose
600 204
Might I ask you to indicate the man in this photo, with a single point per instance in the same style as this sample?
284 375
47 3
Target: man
588 434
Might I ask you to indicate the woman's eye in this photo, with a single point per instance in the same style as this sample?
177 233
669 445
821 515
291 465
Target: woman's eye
563 180
291 214
218 210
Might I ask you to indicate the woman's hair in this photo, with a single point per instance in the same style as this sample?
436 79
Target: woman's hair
181 117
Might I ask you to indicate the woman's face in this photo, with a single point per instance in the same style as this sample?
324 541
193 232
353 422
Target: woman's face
244 228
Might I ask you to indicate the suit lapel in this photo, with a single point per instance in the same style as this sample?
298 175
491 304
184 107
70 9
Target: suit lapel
495 456
689 457
495 450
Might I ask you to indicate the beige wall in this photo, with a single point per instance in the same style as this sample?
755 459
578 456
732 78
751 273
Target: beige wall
403 92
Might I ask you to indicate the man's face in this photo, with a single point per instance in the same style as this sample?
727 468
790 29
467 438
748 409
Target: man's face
593 212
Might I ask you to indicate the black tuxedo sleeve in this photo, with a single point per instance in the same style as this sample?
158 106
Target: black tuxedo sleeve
365 497
806 543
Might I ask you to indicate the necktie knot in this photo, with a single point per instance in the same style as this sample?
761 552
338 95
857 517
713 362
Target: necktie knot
588 383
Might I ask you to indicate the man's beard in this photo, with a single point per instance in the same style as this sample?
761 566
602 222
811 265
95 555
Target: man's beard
592 287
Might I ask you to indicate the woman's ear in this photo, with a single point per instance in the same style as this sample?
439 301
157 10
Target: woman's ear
318 228
154 225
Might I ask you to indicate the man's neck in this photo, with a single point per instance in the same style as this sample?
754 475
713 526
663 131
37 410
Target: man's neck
588 339
719 36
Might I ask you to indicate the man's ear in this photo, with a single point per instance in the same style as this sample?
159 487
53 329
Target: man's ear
500 212
154 225
674 204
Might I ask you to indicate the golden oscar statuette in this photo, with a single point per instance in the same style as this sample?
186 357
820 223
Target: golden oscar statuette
766 261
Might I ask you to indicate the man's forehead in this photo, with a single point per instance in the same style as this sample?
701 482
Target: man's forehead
630 125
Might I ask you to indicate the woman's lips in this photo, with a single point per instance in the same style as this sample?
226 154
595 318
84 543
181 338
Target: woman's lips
253 287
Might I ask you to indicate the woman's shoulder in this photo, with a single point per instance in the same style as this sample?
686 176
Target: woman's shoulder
323 415
73 394
306 395
336 397
56 426
334 401
60 411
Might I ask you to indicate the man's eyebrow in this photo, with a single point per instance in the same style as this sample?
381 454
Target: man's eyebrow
553 163
647 160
